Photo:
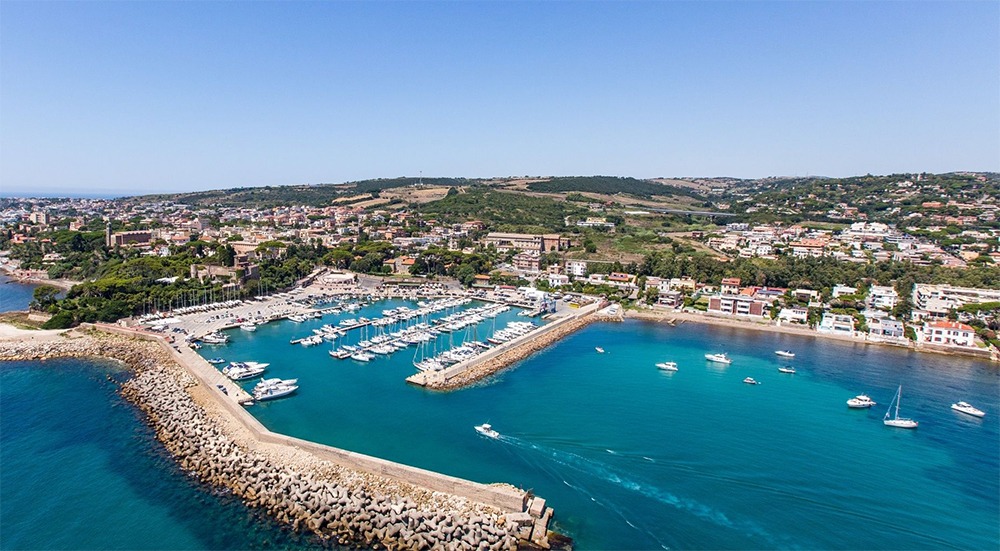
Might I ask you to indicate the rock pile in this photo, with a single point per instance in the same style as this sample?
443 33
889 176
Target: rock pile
349 507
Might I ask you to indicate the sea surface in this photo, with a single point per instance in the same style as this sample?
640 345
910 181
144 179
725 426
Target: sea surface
630 457
15 295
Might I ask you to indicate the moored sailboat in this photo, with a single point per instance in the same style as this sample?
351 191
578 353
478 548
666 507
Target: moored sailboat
896 420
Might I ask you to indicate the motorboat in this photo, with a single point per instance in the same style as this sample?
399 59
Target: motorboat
897 421
968 409
785 353
487 430
274 391
264 383
750 381
667 366
861 401
248 327
242 372
599 349
718 358
214 338
786 369
216 361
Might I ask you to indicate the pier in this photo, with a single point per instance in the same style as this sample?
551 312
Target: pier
502 356
341 495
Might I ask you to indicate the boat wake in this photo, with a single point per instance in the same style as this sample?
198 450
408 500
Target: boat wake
594 469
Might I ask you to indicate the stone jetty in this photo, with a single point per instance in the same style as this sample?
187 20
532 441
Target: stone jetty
291 482
503 356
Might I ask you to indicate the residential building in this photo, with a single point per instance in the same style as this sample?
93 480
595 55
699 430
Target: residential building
841 290
736 305
948 333
526 242
883 297
730 286
840 324
938 300
885 328
794 315
576 268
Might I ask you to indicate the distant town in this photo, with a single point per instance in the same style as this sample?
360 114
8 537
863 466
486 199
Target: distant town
906 259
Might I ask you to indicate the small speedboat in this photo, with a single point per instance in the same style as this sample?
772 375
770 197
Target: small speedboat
216 361
667 366
487 430
968 409
599 349
785 353
860 401
786 369
750 381
718 358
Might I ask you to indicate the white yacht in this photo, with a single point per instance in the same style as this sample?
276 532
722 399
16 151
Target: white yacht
242 372
896 420
274 391
667 366
719 358
248 326
214 338
968 409
861 401
487 430
750 381
599 349
786 369
785 353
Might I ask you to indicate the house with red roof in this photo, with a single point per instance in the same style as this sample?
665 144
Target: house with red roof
948 333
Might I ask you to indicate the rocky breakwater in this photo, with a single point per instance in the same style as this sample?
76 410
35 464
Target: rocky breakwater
480 369
295 487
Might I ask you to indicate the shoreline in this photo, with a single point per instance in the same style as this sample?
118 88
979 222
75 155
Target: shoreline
29 277
306 485
803 331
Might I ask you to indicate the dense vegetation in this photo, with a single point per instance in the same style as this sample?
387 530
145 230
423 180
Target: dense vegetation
610 185
502 211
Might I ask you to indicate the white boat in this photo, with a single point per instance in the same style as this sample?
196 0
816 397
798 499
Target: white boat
272 392
667 366
264 383
216 361
896 420
861 401
214 338
242 372
968 409
362 356
487 430
718 358
599 349
750 381
786 369
785 353
248 327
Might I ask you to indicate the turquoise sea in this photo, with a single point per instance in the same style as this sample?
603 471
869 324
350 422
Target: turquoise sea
630 457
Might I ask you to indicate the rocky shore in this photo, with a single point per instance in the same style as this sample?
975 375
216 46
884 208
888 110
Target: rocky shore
338 504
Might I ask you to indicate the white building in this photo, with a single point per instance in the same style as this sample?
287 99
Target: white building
838 324
948 333
882 297
938 300
576 268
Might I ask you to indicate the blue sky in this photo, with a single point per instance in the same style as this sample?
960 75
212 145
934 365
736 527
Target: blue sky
154 97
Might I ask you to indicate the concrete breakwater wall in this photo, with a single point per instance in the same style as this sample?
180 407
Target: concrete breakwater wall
283 475
502 356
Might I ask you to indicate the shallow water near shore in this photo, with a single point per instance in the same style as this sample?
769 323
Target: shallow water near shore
629 456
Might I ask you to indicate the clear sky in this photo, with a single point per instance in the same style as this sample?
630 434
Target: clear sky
174 96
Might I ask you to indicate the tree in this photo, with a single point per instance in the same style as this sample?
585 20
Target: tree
45 296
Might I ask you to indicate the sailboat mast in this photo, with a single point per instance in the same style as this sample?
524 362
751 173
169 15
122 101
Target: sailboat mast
899 398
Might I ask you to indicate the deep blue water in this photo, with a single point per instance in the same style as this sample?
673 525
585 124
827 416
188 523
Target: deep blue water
14 295
630 457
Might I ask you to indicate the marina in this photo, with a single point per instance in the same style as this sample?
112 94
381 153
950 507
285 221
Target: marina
574 455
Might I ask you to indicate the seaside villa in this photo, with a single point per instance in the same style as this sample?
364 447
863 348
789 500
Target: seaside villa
948 333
